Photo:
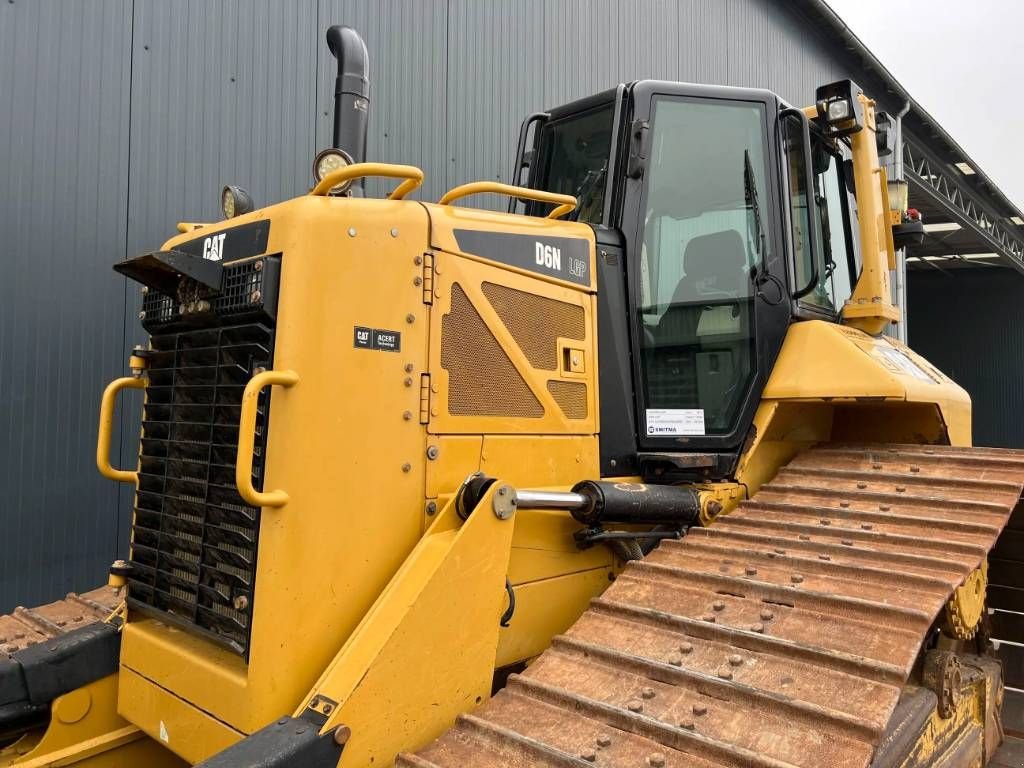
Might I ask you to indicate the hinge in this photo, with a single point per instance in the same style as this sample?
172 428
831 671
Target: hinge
428 278
424 398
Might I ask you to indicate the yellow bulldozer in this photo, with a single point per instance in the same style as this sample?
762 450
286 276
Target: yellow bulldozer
626 476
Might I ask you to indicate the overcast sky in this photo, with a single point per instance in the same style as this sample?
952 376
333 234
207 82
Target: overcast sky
962 62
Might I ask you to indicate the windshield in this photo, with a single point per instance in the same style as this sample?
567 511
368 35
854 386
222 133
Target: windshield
703 223
573 160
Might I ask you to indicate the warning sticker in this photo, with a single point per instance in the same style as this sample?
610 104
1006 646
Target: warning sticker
897 362
668 422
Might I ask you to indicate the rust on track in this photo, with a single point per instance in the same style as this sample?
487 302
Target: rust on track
24 627
781 637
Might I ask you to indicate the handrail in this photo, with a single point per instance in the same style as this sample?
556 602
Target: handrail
567 203
107 403
247 438
413 177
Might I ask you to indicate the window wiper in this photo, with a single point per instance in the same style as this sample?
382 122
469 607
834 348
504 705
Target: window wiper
586 190
759 275
750 195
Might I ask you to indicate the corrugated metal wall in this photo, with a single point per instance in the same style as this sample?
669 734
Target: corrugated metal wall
120 117
947 328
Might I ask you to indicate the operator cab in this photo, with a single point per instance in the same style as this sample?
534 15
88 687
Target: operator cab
721 215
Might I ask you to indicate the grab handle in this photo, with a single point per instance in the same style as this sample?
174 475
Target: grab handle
107 403
567 203
247 438
413 177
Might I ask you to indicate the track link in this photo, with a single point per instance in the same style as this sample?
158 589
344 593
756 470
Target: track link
781 637
24 627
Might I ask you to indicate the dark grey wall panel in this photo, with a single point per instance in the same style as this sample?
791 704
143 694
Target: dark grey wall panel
982 351
119 118
64 90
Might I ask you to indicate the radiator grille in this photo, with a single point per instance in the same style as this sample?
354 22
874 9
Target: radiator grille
194 539
482 380
536 322
571 397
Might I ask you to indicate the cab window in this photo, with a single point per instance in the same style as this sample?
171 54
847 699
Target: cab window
573 160
704 209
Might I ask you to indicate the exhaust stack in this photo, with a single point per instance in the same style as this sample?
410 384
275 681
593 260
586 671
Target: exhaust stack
351 95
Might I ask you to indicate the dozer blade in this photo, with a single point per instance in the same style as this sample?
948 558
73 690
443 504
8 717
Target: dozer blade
780 637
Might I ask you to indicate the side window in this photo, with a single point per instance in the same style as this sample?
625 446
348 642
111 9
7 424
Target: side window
703 211
805 212
834 219
573 160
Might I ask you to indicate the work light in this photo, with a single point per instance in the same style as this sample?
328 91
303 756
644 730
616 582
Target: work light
328 161
234 201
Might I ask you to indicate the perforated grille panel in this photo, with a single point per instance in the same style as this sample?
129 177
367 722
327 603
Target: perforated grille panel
571 397
194 538
482 380
536 322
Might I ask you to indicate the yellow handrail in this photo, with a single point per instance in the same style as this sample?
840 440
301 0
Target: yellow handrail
247 438
107 403
413 177
567 203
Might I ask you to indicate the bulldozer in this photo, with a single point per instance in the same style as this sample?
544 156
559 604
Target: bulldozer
628 475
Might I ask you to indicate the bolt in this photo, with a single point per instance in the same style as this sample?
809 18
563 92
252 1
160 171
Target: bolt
718 605
503 491
258 370
876 466
796 578
342 734
826 521
589 755
432 452
884 507
282 721
351 231
142 315
725 674
767 615
418 260
750 570
604 740
145 290
407 415
258 266
900 488
675 661
866 526
394 231
327 708
714 507
709 618
686 724
417 280
656 760
635 706
804 537
735 660
915 469
700 710
241 602
847 543
844 504
779 551
862 486
647 693
410 318
431 507
255 297
759 628
685 648
824 556
408 381
407 467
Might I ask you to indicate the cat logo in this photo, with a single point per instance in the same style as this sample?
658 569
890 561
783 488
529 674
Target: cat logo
213 247
548 256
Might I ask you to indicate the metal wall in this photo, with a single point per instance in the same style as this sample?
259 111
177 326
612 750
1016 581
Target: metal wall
120 117
980 350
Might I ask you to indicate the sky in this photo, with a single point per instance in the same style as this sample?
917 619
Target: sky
962 61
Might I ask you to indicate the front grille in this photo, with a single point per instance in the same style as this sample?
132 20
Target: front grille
194 539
